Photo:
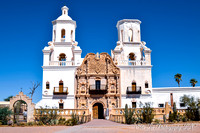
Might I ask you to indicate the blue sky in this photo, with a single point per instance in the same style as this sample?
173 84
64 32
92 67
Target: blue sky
169 27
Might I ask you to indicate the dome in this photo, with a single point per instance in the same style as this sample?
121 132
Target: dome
64 17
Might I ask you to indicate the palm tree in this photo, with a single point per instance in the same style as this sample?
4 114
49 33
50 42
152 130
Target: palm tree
178 78
193 82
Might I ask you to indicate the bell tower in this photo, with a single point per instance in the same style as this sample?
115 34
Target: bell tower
133 58
128 31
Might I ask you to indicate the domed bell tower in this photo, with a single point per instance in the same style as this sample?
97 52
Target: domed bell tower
64 28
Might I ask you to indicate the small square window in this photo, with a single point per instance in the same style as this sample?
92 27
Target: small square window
161 105
47 85
182 105
133 104
146 85
60 105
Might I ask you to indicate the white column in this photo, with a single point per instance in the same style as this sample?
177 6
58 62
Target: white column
46 57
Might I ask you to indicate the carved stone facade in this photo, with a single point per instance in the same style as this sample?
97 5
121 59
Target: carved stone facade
97 81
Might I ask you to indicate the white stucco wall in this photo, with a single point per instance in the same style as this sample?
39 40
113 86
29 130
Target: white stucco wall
140 75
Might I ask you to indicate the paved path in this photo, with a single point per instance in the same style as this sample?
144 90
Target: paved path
106 126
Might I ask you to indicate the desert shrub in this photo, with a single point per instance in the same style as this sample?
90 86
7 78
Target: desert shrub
175 116
147 113
68 122
47 117
184 119
128 114
5 115
40 123
193 108
82 118
22 124
30 123
157 121
73 121
61 121
54 122
138 118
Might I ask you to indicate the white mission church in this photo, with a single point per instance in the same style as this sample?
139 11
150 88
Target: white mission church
100 82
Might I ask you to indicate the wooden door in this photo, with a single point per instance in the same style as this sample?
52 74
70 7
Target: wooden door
95 112
61 86
134 87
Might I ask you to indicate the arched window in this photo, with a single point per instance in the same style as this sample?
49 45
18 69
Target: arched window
130 35
62 57
72 35
60 86
134 86
122 35
63 33
54 32
132 56
47 85
146 85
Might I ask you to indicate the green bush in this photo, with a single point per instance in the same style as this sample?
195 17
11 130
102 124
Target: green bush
184 119
40 123
193 110
47 118
147 113
82 118
5 115
73 121
30 123
128 114
157 121
22 124
175 116
68 122
61 121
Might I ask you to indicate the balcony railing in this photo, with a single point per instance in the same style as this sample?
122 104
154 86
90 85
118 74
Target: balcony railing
132 63
61 63
101 90
130 90
60 91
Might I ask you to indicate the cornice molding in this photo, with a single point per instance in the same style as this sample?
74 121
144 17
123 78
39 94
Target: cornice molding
176 89
63 44
131 66
58 68
127 20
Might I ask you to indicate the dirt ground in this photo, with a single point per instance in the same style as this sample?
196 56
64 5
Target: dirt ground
37 129
105 126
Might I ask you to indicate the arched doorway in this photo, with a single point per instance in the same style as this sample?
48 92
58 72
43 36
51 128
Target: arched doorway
20 111
29 106
98 111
